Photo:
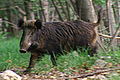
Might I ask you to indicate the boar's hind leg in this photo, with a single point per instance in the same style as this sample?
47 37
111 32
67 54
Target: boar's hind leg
53 59
92 50
33 59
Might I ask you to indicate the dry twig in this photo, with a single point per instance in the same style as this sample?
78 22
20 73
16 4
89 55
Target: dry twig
108 36
92 73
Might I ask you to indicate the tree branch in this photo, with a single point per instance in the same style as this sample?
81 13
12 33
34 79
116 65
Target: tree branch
14 25
108 36
91 73
21 10
60 16
63 8
73 10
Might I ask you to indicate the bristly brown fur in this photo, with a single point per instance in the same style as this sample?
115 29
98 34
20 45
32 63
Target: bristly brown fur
40 38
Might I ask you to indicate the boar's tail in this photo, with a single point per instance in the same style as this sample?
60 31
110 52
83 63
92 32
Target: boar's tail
99 18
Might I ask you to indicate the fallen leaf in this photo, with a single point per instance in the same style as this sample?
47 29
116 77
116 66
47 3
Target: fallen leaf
109 64
9 60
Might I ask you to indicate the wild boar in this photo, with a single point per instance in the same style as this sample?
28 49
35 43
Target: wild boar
53 37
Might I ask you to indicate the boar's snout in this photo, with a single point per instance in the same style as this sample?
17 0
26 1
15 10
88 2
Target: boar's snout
23 51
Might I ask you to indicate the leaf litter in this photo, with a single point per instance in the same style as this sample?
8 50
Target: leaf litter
82 73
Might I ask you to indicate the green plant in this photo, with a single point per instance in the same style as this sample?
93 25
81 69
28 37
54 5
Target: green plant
3 36
100 2
10 57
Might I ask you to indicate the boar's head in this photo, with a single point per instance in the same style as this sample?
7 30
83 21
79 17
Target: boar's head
29 37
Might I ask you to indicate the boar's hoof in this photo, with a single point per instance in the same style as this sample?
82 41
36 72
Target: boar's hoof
22 51
26 72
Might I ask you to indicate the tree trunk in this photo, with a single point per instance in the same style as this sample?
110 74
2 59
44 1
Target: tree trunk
4 30
58 11
9 14
42 11
64 10
46 11
28 9
111 19
87 11
111 22
117 31
78 6
68 11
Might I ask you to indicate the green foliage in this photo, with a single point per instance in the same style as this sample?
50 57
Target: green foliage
100 2
3 36
114 77
76 59
116 26
113 57
32 0
10 56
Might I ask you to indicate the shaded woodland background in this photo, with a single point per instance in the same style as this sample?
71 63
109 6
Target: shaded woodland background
64 10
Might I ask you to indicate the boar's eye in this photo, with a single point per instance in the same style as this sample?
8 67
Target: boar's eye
29 27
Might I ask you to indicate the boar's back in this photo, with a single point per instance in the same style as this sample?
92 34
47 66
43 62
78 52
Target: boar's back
66 35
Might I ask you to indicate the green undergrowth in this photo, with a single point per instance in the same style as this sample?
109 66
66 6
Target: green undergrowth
111 56
10 57
71 60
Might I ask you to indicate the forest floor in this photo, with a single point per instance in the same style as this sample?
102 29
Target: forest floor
101 70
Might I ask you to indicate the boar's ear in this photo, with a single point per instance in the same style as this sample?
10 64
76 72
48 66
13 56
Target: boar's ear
20 22
38 24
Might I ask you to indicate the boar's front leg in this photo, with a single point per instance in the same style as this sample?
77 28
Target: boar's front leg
33 59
